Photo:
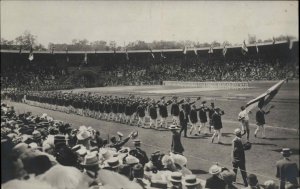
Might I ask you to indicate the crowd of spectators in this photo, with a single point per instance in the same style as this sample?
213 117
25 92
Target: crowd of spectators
33 77
38 151
197 70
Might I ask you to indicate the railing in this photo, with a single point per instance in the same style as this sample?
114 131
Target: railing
214 84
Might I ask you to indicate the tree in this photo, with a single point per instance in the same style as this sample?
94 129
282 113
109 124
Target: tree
27 40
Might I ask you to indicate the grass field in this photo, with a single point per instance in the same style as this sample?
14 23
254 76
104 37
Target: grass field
199 150
285 114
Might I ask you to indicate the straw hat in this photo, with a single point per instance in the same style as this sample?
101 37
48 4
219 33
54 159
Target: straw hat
175 177
20 148
174 127
113 162
237 131
82 135
90 160
215 169
190 180
130 160
105 154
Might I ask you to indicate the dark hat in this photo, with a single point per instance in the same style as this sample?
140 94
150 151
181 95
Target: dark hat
212 104
66 156
136 142
175 177
286 152
252 180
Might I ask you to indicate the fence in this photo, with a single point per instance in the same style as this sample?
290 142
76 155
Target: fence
210 84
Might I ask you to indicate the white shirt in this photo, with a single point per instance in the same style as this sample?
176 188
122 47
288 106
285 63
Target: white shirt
244 114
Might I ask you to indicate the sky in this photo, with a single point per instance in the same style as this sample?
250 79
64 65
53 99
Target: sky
128 21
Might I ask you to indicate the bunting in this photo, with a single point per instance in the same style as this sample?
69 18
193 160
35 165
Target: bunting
30 57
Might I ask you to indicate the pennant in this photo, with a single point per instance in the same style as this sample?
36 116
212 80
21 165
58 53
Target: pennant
30 57
195 50
152 54
52 49
184 50
290 43
273 40
162 55
244 48
224 50
85 58
211 49
20 50
67 55
263 99
127 57
256 48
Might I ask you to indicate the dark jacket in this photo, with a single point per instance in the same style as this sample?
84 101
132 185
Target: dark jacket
176 146
140 111
183 118
238 153
260 117
175 109
153 111
203 115
287 171
163 111
193 116
217 121
215 182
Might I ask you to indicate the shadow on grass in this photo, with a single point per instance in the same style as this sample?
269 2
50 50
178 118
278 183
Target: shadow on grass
228 134
295 151
279 138
263 144
198 171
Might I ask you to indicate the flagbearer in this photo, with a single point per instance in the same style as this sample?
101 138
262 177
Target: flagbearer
260 120
244 118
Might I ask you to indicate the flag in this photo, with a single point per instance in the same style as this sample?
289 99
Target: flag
195 50
224 50
30 57
263 99
127 57
20 50
184 50
152 54
211 49
290 43
256 47
85 58
162 55
244 48
273 40
52 49
67 54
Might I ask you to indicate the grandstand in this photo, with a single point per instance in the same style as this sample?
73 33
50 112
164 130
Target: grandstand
62 69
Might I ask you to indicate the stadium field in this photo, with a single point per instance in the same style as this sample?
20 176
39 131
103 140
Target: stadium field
285 114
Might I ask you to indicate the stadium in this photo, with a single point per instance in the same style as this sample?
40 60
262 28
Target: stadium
61 106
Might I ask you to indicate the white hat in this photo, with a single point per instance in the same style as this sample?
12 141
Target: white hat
131 160
237 131
215 169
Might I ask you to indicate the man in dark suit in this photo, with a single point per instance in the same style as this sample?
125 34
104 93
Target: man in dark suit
175 110
176 146
287 171
238 155
217 124
163 112
183 118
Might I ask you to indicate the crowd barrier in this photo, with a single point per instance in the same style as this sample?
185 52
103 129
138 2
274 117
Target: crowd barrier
210 84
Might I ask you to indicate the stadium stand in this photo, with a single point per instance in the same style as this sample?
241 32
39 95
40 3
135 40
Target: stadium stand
62 70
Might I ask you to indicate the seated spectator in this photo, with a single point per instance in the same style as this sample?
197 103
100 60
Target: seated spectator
215 182
252 182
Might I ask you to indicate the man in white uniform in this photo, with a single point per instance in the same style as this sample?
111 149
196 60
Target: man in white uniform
244 118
